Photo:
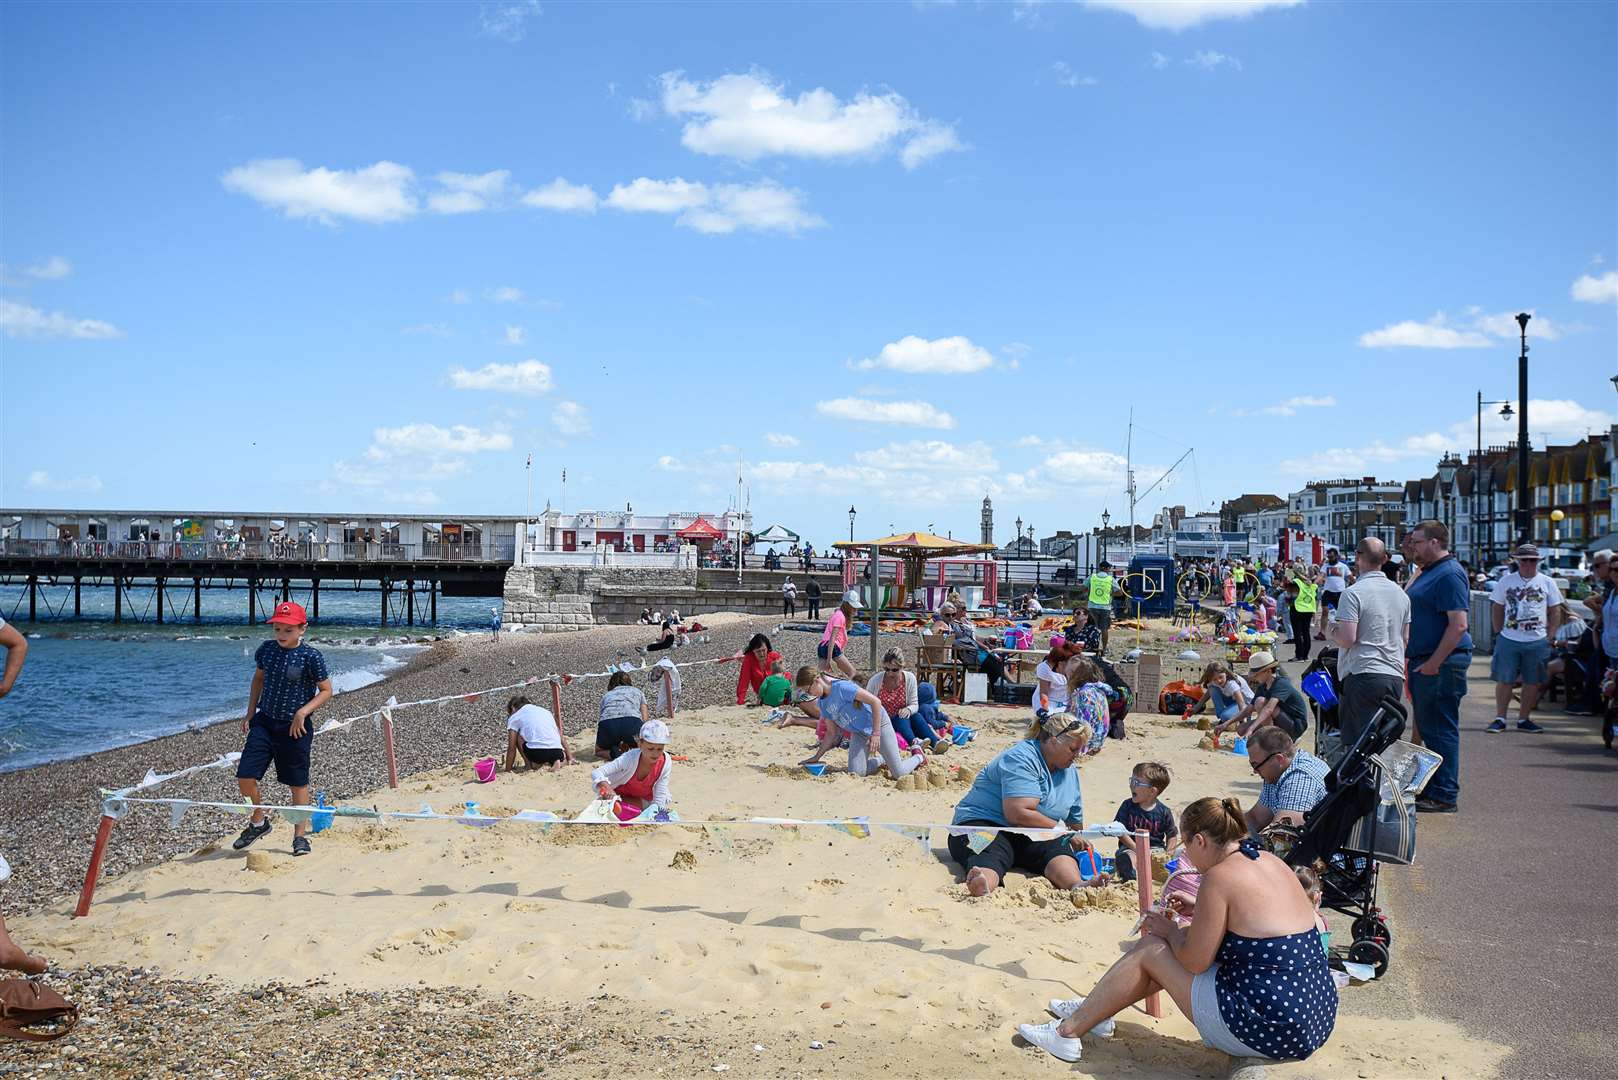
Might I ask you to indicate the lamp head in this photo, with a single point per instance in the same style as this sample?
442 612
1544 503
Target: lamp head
1506 412
1522 320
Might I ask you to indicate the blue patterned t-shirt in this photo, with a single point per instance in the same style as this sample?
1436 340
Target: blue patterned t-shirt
292 677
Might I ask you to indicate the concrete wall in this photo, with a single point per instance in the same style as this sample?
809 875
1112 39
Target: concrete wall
560 599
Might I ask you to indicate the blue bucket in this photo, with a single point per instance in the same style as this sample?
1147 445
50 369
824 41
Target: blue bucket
1089 864
1317 684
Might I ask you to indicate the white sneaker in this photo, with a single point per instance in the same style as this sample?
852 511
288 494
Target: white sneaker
1045 1037
1064 1009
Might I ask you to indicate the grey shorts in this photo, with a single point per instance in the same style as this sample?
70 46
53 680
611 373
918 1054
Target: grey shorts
1210 1024
1102 617
1519 661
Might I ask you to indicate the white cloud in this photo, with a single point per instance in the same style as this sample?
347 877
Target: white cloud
432 329
468 193
648 196
504 294
1291 405
641 110
1211 59
459 296
1480 330
748 117
529 377
1066 76
430 440
507 20
40 480
915 413
515 335
931 455
670 464
1182 14
571 418
1596 290
51 269
1556 420
723 208
945 356
377 193
25 320
777 438
563 196
1159 61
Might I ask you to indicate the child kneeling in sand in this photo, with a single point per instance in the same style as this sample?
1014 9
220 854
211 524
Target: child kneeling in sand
639 777
534 731
850 711
290 683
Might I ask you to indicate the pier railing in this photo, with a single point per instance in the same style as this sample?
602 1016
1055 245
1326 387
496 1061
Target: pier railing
295 551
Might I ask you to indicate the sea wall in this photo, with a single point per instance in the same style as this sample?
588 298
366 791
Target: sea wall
562 599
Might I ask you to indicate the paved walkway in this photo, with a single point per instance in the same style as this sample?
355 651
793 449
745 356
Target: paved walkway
1507 923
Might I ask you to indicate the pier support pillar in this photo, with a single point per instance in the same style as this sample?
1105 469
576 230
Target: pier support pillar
432 591
196 599
410 603
314 600
160 583
33 589
252 601
117 599
78 606
286 589
385 588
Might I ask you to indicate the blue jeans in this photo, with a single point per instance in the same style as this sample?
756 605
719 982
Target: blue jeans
1437 704
914 729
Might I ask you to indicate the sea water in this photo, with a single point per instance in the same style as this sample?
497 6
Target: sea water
91 684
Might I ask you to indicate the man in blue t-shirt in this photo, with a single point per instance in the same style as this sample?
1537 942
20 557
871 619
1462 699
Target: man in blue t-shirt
291 681
1437 656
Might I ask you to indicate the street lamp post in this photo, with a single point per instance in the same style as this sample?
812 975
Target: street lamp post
1477 544
1105 519
850 524
1556 531
1525 511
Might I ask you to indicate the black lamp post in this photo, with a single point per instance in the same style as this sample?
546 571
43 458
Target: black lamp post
1477 542
1105 519
1525 498
1447 467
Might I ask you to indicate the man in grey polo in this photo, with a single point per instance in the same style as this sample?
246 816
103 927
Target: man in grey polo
1371 629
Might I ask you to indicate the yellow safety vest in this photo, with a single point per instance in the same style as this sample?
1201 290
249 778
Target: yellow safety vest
1239 574
1306 597
1101 590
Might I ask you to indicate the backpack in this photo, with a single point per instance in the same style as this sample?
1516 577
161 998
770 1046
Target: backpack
25 1004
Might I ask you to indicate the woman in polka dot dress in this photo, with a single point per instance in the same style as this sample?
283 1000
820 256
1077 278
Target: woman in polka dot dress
1249 971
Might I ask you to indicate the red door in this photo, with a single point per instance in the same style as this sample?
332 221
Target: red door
640 541
570 541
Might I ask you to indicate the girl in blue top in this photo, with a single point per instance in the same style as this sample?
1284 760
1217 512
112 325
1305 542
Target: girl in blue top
1249 971
857 715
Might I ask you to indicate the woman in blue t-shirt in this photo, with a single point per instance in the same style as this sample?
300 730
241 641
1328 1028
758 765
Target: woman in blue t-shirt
857 715
1034 784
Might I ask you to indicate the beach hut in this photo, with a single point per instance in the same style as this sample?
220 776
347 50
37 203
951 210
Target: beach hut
924 559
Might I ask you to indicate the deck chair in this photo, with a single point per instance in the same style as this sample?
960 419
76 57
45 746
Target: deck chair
937 663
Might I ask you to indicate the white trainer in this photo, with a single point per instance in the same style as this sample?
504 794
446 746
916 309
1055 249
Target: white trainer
1045 1037
1064 1009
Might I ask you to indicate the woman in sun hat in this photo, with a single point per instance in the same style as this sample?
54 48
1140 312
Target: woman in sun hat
640 777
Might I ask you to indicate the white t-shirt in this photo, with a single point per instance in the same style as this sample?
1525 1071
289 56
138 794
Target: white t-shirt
536 727
789 590
1058 683
1526 603
1336 576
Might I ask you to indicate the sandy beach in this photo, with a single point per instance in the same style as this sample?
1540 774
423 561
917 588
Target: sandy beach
744 947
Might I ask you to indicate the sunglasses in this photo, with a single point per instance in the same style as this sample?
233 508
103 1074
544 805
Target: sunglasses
1137 782
1265 762
886 668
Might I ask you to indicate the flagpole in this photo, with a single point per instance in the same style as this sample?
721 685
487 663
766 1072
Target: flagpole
528 514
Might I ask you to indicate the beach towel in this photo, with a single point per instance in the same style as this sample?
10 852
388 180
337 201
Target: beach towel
668 689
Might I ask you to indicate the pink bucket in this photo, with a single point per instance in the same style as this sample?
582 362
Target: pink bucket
483 769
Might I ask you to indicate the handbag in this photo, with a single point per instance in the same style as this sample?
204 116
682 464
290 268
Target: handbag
25 1004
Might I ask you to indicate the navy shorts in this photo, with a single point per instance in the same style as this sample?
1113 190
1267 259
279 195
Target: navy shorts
1330 599
269 741
827 651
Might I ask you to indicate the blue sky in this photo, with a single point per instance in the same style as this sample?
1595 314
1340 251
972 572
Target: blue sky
896 256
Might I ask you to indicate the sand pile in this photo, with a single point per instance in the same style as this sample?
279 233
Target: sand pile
869 947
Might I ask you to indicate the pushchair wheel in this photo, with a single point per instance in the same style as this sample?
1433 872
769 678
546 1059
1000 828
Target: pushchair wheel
1369 952
1369 928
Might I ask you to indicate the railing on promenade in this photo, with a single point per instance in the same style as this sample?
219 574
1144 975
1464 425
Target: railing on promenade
292 551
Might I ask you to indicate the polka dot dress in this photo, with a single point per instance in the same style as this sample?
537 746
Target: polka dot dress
1276 994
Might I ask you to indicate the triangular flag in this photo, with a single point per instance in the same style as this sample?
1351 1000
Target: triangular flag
470 699
859 828
566 679
919 833
298 815
152 778
177 810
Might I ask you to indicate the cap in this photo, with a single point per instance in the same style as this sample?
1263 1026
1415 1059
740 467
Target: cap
654 731
1526 551
289 613
1259 661
852 599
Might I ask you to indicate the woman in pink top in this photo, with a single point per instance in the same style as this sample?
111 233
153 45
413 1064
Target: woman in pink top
835 639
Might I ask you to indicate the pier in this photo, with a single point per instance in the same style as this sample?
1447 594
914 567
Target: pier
409 561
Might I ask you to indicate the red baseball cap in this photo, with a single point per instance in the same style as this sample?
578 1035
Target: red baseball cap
289 613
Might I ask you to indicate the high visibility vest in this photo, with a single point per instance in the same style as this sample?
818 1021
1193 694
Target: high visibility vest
1306 597
1240 575
1101 590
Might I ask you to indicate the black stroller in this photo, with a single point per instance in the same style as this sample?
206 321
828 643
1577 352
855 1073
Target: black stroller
1362 822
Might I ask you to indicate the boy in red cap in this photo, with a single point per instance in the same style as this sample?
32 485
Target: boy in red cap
290 684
